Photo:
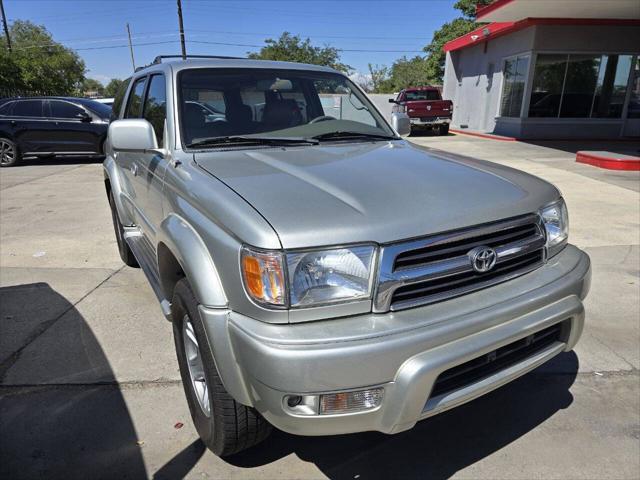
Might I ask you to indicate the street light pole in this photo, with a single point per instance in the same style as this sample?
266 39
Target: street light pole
184 49
6 28
133 62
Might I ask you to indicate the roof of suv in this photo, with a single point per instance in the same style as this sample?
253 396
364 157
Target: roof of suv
180 64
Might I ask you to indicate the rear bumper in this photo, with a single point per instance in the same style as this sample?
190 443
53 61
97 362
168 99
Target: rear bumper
431 121
403 352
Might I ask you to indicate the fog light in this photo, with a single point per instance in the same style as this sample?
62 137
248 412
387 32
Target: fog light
348 402
294 400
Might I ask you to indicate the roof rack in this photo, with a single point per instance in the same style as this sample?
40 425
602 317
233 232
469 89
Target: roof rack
159 58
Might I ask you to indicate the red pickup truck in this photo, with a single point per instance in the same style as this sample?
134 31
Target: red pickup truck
425 108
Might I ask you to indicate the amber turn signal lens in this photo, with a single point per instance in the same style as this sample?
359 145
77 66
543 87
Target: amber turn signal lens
263 276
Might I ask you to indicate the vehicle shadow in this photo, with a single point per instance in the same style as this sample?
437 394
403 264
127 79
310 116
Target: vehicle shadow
51 426
438 447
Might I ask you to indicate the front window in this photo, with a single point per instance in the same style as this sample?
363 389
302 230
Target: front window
274 104
514 75
579 86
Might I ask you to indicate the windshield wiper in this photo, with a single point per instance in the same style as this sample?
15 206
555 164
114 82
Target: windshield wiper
250 140
346 135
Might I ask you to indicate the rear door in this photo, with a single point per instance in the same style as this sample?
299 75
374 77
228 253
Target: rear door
29 127
74 129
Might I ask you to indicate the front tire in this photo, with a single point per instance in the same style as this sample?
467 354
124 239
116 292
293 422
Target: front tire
9 153
224 425
443 130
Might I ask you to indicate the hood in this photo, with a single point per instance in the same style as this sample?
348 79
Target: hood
372 192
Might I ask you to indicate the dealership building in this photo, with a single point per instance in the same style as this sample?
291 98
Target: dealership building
541 69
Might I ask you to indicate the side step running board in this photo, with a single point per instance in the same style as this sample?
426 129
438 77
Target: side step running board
143 251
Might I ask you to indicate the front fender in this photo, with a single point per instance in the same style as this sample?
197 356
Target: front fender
192 254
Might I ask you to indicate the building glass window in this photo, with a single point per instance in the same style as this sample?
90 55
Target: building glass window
515 74
611 89
548 80
579 86
634 101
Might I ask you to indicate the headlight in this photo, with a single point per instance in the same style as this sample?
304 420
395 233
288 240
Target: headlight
330 276
556 223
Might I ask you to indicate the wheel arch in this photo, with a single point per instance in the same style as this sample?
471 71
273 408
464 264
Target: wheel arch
182 252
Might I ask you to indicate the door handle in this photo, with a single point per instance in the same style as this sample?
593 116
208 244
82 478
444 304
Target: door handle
13 123
134 169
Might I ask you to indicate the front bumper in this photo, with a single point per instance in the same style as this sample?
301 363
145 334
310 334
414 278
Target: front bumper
404 352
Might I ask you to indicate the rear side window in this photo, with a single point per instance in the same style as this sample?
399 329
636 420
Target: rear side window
28 108
5 108
155 106
134 106
118 100
66 110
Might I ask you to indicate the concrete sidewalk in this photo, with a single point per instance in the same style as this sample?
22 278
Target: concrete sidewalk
89 384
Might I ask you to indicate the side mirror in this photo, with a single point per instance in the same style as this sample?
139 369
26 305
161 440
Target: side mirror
392 100
86 118
132 135
401 123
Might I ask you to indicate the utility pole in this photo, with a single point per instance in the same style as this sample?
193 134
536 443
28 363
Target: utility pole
133 61
6 28
184 49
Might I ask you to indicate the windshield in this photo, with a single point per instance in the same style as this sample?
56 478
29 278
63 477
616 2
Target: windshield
221 103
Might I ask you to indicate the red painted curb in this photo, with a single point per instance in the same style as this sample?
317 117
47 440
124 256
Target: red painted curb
610 163
484 135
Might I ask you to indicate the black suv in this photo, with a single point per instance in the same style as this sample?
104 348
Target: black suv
43 126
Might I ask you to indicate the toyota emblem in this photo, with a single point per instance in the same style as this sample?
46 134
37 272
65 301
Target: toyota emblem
482 259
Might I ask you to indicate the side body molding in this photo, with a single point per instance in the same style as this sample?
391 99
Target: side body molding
188 248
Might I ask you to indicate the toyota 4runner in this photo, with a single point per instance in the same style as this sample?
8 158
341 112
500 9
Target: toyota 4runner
322 274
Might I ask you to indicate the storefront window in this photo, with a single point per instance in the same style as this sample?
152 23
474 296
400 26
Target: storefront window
634 102
612 86
579 86
515 73
580 83
548 80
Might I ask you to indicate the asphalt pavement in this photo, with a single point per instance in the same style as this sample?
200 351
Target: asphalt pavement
89 383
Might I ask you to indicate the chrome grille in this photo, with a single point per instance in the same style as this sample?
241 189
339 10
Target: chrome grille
438 267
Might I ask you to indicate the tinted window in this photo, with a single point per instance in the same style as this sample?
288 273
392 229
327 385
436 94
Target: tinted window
134 107
65 110
103 110
515 72
155 107
119 98
28 108
422 95
5 107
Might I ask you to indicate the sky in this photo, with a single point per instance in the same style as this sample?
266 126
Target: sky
96 29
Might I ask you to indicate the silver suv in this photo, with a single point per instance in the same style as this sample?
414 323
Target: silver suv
322 274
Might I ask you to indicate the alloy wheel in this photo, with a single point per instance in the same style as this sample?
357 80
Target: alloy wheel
7 153
195 365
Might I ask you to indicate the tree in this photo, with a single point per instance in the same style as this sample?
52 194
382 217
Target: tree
38 64
93 86
291 48
450 31
112 87
379 75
